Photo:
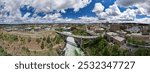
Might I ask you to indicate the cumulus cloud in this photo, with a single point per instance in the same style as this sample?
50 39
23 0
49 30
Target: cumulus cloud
128 15
142 5
46 6
110 13
113 10
10 10
113 13
98 8
143 20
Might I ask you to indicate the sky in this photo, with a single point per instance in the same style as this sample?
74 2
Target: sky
74 11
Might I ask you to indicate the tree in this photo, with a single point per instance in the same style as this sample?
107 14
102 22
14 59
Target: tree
26 50
42 45
115 50
38 40
2 52
48 40
44 38
142 52
29 39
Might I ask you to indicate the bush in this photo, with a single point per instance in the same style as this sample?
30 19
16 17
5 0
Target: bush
26 50
14 38
48 40
23 41
29 39
38 40
42 45
2 52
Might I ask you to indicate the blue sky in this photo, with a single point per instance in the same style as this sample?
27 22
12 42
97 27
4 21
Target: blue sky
74 10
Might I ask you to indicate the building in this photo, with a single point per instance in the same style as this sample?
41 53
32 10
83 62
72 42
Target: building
8 29
37 29
99 30
122 33
28 29
145 29
115 38
115 27
140 37
134 29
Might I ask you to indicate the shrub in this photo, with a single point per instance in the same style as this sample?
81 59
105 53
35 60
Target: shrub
42 45
38 40
29 39
48 40
2 52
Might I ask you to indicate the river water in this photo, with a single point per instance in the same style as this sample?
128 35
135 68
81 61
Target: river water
71 48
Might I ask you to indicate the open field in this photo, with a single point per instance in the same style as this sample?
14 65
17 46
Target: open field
34 43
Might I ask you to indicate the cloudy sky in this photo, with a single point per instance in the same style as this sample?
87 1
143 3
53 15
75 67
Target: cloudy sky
74 11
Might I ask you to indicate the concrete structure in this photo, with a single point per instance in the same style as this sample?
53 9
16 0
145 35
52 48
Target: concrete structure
140 37
115 27
122 33
115 38
134 29
77 36
8 29
28 29
145 29
99 30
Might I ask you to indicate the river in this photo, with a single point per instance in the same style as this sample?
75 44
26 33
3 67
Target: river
71 48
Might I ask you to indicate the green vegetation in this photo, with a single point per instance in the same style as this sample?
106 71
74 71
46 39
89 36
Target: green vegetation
23 40
48 39
137 42
8 37
57 39
26 51
42 45
29 39
3 52
79 32
60 29
142 52
100 47
38 40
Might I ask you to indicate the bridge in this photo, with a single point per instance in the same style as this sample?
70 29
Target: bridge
80 38
77 36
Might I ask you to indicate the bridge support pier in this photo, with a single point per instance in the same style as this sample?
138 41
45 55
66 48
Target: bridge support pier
81 42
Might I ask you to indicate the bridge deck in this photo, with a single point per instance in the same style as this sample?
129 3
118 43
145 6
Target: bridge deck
77 36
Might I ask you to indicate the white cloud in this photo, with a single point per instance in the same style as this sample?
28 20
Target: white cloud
128 15
88 19
143 20
109 13
98 8
46 6
142 5
113 10
113 13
